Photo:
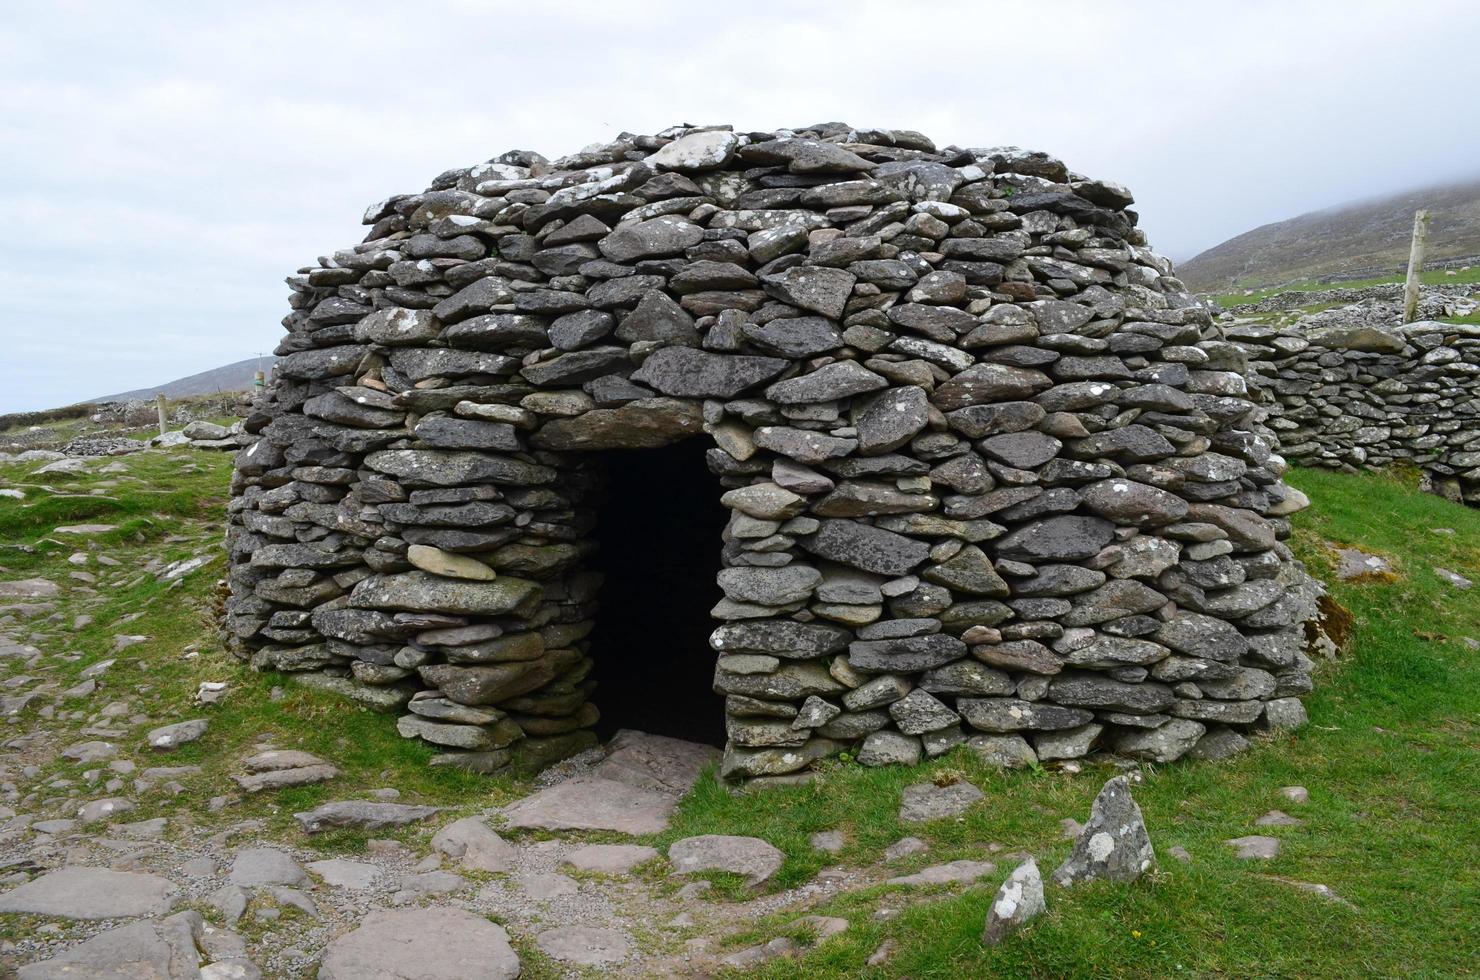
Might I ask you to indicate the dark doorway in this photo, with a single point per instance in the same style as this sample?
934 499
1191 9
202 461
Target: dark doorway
659 527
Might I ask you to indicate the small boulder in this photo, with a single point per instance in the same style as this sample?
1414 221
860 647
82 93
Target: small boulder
169 737
1114 844
165 949
343 873
1018 901
474 846
91 893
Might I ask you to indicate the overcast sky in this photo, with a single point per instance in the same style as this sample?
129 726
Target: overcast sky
164 165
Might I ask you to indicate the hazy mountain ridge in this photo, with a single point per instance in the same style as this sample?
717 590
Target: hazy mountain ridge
228 377
1370 236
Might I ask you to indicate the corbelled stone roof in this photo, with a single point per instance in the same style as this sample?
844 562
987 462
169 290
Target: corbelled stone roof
994 476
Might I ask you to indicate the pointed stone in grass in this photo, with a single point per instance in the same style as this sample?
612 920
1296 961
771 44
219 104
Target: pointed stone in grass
1114 844
1018 902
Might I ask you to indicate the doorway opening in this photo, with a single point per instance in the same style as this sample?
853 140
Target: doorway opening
659 526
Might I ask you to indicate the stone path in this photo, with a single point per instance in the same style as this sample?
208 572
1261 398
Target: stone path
633 791
196 894
396 911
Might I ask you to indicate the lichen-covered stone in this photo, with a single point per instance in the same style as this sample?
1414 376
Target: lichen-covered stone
1018 902
1113 845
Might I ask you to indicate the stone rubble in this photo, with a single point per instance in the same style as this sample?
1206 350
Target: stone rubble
993 473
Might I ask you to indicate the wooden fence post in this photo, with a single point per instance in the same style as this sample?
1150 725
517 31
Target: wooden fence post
1415 266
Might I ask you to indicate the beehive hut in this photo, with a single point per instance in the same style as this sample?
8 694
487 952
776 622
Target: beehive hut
800 442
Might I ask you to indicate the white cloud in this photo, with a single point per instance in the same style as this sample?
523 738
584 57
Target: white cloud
164 166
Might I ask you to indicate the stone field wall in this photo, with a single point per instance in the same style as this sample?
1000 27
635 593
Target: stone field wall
994 476
1353 397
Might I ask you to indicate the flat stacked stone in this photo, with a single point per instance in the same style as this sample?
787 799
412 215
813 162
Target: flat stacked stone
1348 397
994 476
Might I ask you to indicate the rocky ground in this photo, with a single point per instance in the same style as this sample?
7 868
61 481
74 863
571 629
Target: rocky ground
148 833
199 891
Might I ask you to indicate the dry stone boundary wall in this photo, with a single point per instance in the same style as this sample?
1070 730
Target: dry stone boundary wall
1353 397
994 476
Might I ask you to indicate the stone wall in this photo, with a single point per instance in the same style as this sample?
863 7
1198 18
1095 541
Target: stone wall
1436 300
1353 397
994 476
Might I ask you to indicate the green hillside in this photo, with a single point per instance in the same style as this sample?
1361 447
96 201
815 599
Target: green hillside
1366 238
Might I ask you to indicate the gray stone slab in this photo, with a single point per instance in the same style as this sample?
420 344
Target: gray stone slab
593 803
749 856
424 944
164 950
91 893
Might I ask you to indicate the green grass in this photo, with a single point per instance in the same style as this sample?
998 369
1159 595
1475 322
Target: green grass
170 506
1432 277
1389 758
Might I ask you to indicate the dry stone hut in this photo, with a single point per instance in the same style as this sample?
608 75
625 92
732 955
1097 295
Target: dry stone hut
965 461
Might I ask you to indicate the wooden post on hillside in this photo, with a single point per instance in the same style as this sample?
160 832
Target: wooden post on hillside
1415 266
164 417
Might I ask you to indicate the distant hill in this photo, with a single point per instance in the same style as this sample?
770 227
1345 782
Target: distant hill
230 377
1366 237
